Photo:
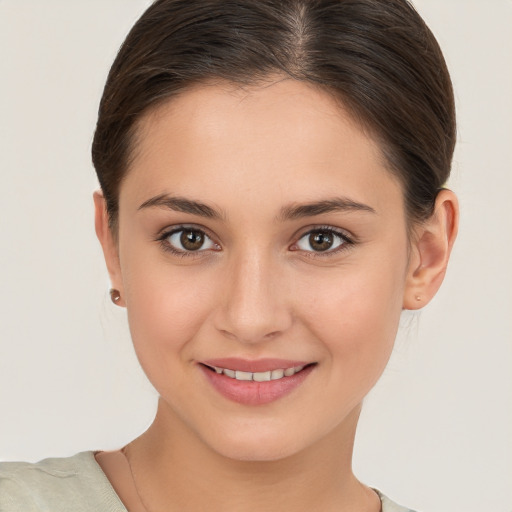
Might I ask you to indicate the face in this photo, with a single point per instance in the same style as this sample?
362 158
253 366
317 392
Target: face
259 231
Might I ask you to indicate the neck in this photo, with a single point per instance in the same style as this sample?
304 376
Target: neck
175 470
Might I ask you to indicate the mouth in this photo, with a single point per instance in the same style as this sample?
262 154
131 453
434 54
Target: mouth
266 376
255 382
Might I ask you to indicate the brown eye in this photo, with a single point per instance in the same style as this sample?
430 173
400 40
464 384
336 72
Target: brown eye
321 240
189 240
192 240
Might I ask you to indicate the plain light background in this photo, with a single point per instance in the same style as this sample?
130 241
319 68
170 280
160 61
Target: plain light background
435 433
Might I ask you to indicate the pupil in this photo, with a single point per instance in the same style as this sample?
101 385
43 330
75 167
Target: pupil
320 241
191 240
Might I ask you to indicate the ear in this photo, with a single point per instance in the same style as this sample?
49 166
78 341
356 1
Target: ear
108 244
431 247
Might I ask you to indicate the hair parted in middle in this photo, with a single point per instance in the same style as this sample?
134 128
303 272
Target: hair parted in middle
377 57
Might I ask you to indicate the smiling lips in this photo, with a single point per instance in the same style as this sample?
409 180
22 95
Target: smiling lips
255 382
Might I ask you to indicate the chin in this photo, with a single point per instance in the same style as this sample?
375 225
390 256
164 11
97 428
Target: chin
258 444
254 452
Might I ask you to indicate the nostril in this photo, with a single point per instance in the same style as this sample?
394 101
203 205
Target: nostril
228 334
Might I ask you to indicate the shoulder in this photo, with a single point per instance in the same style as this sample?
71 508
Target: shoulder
74 483
391 506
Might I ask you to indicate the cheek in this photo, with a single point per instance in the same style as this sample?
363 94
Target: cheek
167 305
354 312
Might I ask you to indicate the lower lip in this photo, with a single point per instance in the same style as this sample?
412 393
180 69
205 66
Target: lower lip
255 393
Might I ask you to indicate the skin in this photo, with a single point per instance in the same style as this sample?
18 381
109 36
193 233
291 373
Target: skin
260 290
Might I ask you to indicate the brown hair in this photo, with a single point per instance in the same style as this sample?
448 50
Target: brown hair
377 56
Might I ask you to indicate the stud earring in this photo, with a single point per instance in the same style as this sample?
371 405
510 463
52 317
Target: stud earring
418 298
115 295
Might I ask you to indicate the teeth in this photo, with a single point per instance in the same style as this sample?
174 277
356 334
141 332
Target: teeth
291 371
277 374
243 375
259 376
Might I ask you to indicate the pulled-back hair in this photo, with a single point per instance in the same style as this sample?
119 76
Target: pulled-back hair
377 57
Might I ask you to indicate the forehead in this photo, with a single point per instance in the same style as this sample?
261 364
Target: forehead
286 136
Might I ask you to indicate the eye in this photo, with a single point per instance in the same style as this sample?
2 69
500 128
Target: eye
186 239
322 240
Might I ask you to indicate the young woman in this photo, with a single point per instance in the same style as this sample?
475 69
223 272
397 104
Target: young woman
271 200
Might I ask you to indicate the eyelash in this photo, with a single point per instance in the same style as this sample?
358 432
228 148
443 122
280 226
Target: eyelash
345 244
346 241
166 246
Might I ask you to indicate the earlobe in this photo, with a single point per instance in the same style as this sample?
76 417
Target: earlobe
108 244
431 251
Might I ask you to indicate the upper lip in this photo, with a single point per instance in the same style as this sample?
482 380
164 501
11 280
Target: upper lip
254 365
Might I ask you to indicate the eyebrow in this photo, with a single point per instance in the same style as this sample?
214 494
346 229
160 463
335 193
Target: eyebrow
182 204
335 204
291 212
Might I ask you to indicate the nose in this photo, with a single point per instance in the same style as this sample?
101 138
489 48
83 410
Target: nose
253 306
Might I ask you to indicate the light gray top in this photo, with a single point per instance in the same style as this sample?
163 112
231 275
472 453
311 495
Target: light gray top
72 484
